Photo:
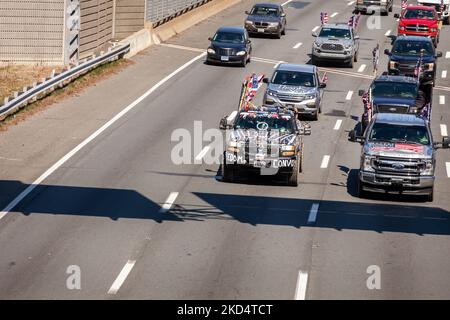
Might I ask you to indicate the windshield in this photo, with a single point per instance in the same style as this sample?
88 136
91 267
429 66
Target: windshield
264 11
394 90
292 78
404 47
387 132
229 37
266 122
335 33
419 14
436 6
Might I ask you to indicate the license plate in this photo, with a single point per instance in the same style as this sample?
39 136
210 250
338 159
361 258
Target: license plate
224 58
261 30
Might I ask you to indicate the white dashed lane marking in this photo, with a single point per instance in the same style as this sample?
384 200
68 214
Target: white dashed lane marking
334 14
362 68
325 161
313 213
302 283
444 74
169 202
338 124
388 33
122 277
298 45
441 99
444 132
349 95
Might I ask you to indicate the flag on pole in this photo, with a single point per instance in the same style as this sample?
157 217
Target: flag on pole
426 112
323 17
418 68
251 86
351 21
357 20
376 57
404 5
325 78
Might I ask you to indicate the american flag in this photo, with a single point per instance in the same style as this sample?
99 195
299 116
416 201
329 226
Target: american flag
357 19
426 112
253 85
323 17
418 68
376 57
351 21
404 5
442 6
325 78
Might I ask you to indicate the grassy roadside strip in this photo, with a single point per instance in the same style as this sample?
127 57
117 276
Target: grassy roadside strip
73 88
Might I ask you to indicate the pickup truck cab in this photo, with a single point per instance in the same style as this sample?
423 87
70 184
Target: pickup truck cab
419 21
398 155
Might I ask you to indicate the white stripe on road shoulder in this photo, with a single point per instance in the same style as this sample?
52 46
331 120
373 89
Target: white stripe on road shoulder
169 202
362 68
298 45
325 161
388 32
338 124
444 74
447 166
315 28
69 155
302 283
349 95
122 277
444 132
441 99
313 213
334 14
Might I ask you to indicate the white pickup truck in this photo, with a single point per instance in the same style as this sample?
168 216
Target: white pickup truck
441 6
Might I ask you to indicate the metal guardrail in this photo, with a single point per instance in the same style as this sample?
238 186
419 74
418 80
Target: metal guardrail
161 11
23 98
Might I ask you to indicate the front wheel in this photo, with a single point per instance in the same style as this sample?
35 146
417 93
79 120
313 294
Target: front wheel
361 192
293 176
430 196
355 57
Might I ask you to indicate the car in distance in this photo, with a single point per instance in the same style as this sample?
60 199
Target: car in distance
419 21
405 55
441 6
335 42
266 18
265 138
382 6
398 155
230 45
297 88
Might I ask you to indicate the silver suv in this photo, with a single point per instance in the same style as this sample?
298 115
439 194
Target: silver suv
296 87
335 42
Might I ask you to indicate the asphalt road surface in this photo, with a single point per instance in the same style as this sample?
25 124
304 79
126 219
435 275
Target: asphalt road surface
139 226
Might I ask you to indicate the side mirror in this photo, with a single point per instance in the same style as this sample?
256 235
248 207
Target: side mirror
210 38
439 54
314 34
387 52
323 85
249 41
246 12
445 142
283 15
224 123
355 138
266 80
361 92
397 16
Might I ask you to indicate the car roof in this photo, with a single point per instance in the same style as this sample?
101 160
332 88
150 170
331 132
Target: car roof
231 29
399 119
413 38
337 25
421 8
392 78
297 67
267 4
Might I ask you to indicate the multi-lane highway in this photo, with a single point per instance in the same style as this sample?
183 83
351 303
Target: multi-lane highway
108 199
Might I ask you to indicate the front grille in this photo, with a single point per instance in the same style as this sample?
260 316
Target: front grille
332 47
406 68
396 166
290 97
261 24
226 52
417 27
392 109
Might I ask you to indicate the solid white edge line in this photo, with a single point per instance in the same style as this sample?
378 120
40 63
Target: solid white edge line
444 131
302 283
441 99
349 95
444 74
315 28
121 277
169 202
313 213
388 32
338 124
334 14
298 45
325 161
362 68
71 153
447 167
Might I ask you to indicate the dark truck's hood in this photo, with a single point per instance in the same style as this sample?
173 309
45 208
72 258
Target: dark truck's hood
257 137
412 59
393 101
280 88
256 18
398 150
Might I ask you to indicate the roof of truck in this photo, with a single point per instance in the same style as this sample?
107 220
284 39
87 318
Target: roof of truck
401 119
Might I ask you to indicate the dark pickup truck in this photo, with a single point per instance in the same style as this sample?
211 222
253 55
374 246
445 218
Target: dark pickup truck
393 94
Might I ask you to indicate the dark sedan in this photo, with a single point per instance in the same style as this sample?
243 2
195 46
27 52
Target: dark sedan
230 45
266 18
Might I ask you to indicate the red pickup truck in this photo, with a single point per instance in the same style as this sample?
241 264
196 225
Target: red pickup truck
419 21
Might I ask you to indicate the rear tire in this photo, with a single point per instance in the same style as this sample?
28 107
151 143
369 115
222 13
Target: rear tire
355 58
315 117
244 62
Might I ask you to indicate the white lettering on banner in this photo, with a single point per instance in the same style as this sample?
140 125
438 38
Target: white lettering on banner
283 163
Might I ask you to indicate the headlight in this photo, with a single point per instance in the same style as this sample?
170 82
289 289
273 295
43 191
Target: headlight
366 163
316 45
429 168
383 1
211 51
274 24
392 65
241 53
287 151
309 97
348 47
248 22
401 28
433 29
428 66
271 93
233 146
